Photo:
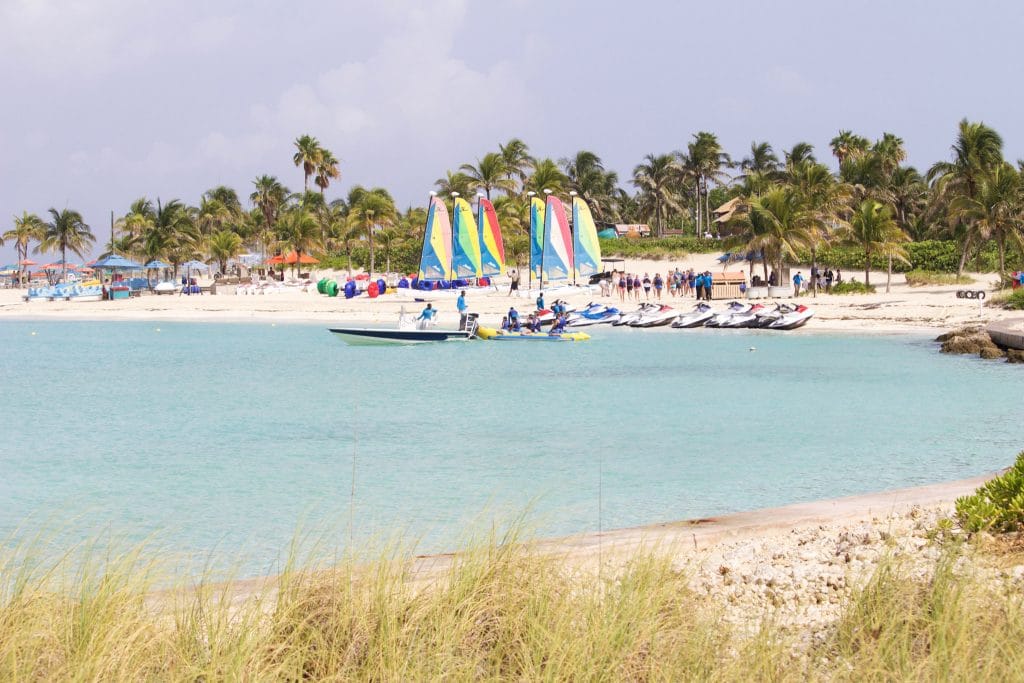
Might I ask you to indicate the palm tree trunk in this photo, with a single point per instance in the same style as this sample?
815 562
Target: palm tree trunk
867 266
814 269
963 257
888 275
1001 242
63 260
370 232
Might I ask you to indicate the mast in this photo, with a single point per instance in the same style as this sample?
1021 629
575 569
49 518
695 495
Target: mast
529 202
572 233
547 194
455 218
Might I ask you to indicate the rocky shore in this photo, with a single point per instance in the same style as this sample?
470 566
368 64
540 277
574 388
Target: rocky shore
975 340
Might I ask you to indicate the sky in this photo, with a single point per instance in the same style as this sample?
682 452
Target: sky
105 101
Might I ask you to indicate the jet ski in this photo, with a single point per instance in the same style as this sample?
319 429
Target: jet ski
546 316
792 320
593 314
731 309
701 313
766 316
628 318
745 318
661 315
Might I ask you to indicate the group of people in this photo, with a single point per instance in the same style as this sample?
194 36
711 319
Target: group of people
634 287
821 280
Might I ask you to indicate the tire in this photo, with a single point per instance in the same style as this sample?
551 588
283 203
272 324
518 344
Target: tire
960 294
980 295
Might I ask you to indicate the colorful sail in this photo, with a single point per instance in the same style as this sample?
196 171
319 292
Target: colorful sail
536 235
558 261
436 257
586 249
465 242
492 248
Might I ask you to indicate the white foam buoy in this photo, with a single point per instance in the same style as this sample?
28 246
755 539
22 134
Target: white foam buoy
753 348
33 334
158 329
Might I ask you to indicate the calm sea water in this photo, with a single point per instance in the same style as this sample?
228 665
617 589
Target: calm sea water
227 438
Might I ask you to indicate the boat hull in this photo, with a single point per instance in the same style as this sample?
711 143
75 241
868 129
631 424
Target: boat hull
370 336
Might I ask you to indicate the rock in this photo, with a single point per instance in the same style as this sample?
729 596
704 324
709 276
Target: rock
991 352
1014 356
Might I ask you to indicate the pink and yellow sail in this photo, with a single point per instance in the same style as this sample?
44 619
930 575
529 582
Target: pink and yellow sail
492 247
557 258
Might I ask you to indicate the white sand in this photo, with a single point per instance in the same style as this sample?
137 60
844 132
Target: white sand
903 309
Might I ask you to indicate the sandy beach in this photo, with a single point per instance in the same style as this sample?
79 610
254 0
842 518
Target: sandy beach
904 309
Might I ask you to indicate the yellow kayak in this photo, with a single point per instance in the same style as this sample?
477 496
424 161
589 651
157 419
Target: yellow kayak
490 333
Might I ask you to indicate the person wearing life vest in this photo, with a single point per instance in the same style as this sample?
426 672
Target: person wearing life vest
513 319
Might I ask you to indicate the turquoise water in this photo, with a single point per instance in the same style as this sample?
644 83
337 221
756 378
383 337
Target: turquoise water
226 438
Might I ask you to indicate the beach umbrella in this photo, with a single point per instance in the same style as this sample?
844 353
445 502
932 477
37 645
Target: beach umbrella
195 265
157 264
26 262
117 262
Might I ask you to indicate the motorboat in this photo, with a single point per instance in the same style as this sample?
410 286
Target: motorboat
546 316
745 318
731 309
700 314
628 318
766 316
408 331
798 317
660 315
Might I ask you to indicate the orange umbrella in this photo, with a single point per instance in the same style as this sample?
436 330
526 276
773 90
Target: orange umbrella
26 262
292 258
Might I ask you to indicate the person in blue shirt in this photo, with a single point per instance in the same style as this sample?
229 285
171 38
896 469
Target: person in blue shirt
798 280
709 280
559 325
540 302
698 283
513 319
427 313
461 303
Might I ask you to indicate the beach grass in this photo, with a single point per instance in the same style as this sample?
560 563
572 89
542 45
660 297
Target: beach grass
501 610
917 278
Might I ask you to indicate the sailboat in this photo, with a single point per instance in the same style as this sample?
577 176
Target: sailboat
586 248
451 251
536 239
492 247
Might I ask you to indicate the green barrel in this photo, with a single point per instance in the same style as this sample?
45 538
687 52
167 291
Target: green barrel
331 288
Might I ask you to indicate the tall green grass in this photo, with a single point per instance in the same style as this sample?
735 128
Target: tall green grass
500 611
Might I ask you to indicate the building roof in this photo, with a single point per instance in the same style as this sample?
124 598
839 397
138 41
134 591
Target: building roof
726 211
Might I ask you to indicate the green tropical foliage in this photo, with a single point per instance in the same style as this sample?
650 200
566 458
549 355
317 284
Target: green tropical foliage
871 210
28 228
998 505
66 231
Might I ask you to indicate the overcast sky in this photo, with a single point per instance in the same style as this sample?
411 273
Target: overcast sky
105 101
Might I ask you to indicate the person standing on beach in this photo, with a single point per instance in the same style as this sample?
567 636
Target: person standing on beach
709 280
514 287
659 284
798 280
629 286
647 286
462 306
622 287
691 282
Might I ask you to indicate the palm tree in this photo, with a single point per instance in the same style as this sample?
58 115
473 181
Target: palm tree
308 155
546 176
799 153
27 228
703 162
373 210
823 198
873 229
656 179
172 234
489 173
890 151
298 231
326 170
269 196
516 157
847 144
227 197
762 159
66 230
775 224
224 245
995 211
976 151
213 216
454 182
588 177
